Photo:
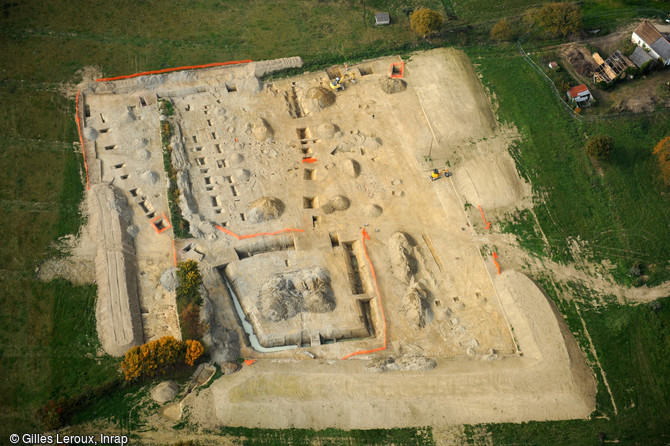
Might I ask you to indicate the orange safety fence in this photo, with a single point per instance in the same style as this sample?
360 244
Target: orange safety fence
488 223
309 160
81 140
167 70
249 361
399 74
495 256
381 308
242 237
167 226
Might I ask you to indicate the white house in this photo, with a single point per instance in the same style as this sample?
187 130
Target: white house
647 37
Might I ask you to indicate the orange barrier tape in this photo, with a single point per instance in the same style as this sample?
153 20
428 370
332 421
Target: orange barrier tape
81 140
402 70
309 160
153 223
495 256
242 237
167 70
249 361
381 308
488 223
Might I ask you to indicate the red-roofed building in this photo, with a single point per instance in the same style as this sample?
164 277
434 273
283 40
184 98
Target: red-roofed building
579 94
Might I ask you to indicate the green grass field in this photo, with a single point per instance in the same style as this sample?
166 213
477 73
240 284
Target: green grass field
47 330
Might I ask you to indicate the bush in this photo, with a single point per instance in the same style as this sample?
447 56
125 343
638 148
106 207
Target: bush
190 280
560 19
152 359
194 350
662 151
189 318
501 31
425 21
600 146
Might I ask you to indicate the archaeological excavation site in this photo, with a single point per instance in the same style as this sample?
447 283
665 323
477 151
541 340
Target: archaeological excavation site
364 290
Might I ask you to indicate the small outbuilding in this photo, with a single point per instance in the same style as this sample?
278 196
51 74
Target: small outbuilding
640 57
553 65
580 94
382 18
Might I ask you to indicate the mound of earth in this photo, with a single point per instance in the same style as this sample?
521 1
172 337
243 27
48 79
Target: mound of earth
403 262
318 98
242 175
90 133
326 130
262 130
373 210
266 208
164 392
351 168
390 85
284 295
337 203
405 363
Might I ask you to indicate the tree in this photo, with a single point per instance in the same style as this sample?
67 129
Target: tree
599 146
662 151
501 31
425 21
152 358
560 19
194 350
190 280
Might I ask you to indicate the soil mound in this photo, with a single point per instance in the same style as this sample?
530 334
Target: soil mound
319 98
326 130
237 158
164 392
403 262
242 175
262 130
149 176
407 363
351 168
142 155
391 86
90 133
337 203
266 208
284 295
168 279
373 210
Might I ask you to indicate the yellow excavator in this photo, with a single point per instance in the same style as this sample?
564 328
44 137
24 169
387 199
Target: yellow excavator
436 174
337 84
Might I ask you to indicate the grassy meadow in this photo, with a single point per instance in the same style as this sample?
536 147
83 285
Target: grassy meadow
47 330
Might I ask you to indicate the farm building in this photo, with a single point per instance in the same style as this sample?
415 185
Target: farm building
382 18
647 37
611 68
580 94
640 57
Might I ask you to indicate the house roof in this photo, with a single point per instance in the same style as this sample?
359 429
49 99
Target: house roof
662 48
648 33
578 90
640 57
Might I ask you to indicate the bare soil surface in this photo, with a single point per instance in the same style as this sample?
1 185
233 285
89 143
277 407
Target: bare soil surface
463 344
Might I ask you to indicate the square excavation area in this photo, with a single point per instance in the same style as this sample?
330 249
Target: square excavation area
321 236
305 306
